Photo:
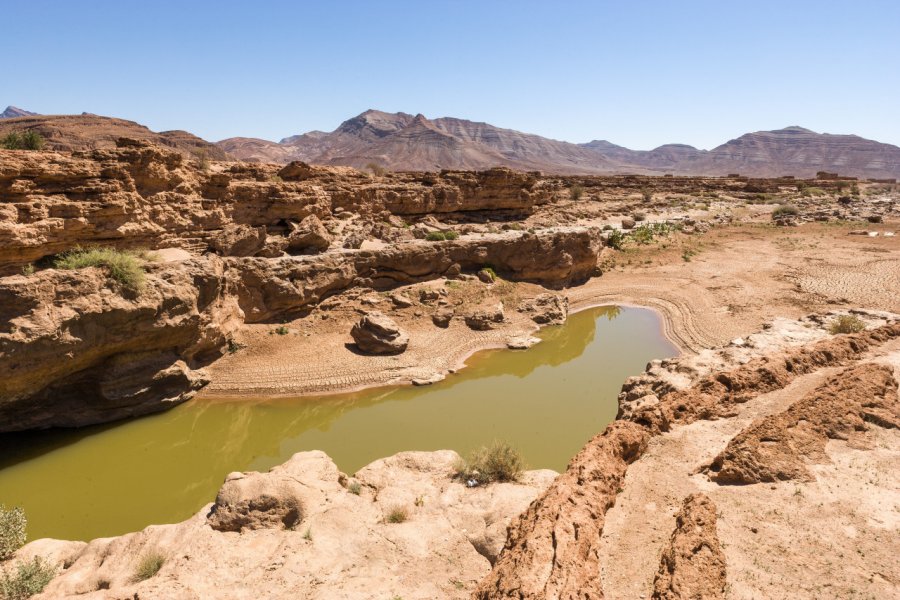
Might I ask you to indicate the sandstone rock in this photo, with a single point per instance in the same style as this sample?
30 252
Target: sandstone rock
442 317
450 536
484 319
628 223
401 300
521 342
377 334
308 236
239 240
547 309
693 564
486 275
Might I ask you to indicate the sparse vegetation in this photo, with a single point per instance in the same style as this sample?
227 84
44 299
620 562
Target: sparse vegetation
397 514
27 579
234 347
123 266
26 140
783 210
12 530
202 159
497 462
354 488
377 170
646 195
440 236
576 192
149 565
616 239
28 269
282 330
847 324
489 272
308 535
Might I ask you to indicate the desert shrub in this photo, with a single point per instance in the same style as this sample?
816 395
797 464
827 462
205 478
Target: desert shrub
440 236
28 269
639 216
282 330
785 210
123 266
202 159
28 140
847 324
149 565
354 488
616 239
646 195
451 235
497 462
377 170
576 192
12 530
397 514
489 270
27 579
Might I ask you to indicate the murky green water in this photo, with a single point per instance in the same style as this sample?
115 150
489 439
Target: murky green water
111 479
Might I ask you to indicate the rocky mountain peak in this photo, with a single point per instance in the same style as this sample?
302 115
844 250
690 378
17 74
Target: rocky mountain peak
12 112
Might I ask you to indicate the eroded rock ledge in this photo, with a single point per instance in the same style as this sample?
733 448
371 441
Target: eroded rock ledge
306 530
554 548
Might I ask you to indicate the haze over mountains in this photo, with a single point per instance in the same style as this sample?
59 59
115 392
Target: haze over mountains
405 142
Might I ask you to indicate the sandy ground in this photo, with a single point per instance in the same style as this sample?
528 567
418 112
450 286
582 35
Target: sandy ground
708 288
834 537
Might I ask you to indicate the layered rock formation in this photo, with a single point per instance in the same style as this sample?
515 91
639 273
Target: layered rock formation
126 353
306 530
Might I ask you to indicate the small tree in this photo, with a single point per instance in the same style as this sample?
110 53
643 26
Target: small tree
377 170
576 192
28 140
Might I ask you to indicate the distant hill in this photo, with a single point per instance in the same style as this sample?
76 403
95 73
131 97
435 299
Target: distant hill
12 112
400 141
87 131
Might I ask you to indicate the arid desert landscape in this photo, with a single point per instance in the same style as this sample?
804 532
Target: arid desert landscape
433 358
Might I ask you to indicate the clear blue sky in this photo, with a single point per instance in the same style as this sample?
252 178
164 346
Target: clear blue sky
636 73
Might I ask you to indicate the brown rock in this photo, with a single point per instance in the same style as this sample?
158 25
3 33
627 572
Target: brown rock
442 317
377 334
628 223
777 447
693 565
308 236
484 319
239 240
547 309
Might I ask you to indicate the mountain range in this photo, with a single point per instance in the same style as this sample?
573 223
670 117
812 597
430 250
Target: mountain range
405 142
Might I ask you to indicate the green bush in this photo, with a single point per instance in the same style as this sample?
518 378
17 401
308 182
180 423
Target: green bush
28 579
497 462
28 140
282 330
435 236
616 239
576 192
847 324
450 235
149 566
12 530
784 210
123 266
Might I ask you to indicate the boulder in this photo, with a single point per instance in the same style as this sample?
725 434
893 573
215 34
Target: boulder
442 317
375 333
547 309
239 240
308 236
628 223
484 319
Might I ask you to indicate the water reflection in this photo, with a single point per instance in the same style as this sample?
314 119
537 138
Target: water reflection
116 478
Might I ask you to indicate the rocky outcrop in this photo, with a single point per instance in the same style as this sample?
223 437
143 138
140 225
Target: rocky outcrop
306 530
141 195
547 309
777 447
553 548
375 333
693 565
75 352
484 318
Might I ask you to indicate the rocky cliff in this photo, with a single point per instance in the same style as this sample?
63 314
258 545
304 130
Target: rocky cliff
234 244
